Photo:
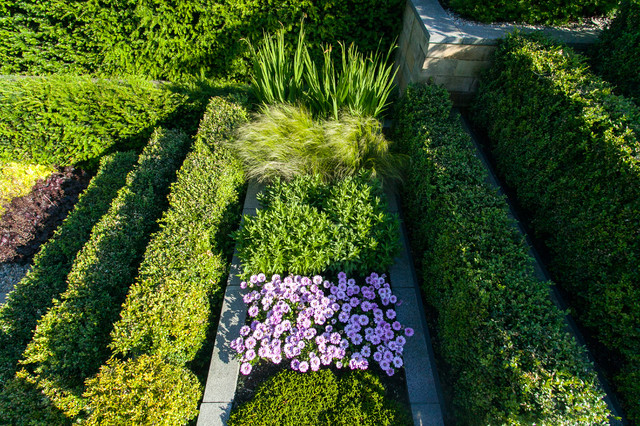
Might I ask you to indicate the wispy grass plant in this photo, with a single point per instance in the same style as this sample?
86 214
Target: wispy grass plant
285 141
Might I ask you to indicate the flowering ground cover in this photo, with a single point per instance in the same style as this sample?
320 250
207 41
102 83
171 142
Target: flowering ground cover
312 322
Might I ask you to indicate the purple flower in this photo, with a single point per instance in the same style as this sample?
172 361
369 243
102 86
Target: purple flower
250 342
391 314
389 372
397 362
315 363
245 368
366 351
408 331
253 311
250 354
304 366
396 325
342 275
377 356
335 338
295 364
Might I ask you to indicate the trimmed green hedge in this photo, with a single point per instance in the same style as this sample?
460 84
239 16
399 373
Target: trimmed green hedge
177 295
47 279
321 398
570 148
70 342
618 52
168 40
508 356
551 12
64 120
143 391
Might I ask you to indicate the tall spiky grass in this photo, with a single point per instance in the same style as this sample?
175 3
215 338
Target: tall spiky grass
286 141
362 84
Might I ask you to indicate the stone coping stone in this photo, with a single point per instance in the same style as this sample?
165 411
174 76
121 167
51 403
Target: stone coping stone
425 396
440 27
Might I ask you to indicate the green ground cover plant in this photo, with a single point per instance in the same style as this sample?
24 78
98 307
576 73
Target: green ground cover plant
176 298
70 342
618 53
507 356
548 12
17 179
307 226
165 40
321 398
46 280
65 120
569 147
360 85
284 141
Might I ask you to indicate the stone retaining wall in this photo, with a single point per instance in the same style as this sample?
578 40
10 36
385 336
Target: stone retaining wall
453 52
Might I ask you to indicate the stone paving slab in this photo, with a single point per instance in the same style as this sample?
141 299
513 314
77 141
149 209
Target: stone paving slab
214 413
426 415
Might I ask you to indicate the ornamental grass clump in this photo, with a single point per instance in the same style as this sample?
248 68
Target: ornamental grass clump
312 322
285 141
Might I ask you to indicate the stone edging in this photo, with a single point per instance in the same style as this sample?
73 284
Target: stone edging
422 379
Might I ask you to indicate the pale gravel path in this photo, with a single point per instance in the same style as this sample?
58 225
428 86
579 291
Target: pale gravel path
10 275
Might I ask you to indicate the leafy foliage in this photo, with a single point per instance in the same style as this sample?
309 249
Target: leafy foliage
17 179
285 141
320 398
307 226
361 87
509 358
618 52
70 342
570 148
46 280
552 12
170 397
175 41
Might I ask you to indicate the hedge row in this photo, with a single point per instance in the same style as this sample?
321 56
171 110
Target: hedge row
46 280
177 295
570 148
64 120
618 53
168 40
551 12
70 341
509 359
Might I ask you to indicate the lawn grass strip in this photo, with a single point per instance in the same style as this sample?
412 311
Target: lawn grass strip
70 342
34 294
176 297
508 357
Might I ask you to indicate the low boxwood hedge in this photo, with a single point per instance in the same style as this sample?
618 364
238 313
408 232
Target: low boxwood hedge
570 149
618 53
176 298
46 280
508 357
64 120
70 342
321 398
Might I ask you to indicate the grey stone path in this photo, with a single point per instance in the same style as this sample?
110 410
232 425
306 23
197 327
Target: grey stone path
10 275
422 379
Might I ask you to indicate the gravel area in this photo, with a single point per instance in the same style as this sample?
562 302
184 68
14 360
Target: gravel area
10 275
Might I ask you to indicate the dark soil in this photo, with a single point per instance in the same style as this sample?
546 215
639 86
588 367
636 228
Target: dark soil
30 220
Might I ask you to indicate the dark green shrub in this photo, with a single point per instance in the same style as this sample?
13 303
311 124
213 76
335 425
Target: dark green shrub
570 148
307 226
552 12
320 398
285 141
509 359
70 342
63 120
170 394
618 52
175 40
182 278
46 280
